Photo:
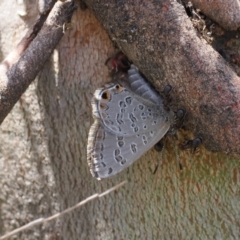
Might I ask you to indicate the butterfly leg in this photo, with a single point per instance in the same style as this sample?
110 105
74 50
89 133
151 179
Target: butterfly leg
191 144
159 147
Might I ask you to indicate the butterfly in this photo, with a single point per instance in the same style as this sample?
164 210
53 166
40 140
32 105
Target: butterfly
129 119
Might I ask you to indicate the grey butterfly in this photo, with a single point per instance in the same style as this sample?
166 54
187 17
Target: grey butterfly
130 118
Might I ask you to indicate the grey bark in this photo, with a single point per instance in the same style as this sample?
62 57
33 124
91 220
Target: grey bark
22 65
160 39
225 13
44 167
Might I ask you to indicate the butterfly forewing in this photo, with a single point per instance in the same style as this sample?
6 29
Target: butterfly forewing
139 86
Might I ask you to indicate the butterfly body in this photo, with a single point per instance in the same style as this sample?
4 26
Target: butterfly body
130 118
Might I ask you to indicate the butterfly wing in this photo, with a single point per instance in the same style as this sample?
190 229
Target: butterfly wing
108 153
128 122
140 87
125 113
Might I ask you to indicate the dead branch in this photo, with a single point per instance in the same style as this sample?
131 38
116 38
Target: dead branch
34 50
160 39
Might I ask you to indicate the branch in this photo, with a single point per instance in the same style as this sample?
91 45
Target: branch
34 50
225 13
160 39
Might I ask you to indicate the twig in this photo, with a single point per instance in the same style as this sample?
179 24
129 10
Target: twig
35 51
57 215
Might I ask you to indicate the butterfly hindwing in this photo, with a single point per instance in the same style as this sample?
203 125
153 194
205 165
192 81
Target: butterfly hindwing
126 114
109 153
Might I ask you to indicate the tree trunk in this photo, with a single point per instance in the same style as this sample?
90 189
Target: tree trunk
44 168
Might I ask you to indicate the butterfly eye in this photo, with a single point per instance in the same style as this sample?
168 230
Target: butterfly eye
106 95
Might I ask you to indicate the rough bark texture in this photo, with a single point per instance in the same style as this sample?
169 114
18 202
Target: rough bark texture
27 186
225 13
160 39
44 168
15 77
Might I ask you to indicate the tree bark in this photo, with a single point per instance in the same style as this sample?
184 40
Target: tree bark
160 39
44 168
34 50
225 13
